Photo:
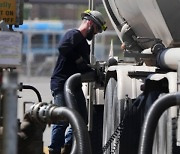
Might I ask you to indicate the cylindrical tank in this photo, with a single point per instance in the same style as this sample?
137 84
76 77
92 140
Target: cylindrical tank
169 58
148 18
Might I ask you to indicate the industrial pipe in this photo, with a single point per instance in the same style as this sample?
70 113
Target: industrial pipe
32 88
168 58
10 128
48 113
151 120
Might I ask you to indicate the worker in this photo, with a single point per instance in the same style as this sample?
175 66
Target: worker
74 52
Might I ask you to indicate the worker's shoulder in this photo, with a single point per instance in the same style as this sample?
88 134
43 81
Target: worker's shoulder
72 31
75 36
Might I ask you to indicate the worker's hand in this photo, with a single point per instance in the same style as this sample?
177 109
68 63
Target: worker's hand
100 76
82 65
90 76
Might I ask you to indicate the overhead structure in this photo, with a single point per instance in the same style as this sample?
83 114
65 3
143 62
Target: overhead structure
63 1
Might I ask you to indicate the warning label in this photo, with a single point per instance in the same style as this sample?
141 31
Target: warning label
10 49
8 11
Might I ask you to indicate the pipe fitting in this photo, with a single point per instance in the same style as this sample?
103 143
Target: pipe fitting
46 113
166 59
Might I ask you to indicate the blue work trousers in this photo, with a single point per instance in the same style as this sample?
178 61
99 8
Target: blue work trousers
58 136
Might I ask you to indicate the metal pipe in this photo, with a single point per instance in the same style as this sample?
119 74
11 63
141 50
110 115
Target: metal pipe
10 113
1 106
29 55
151 120
92 4
32 88
167 60
44 112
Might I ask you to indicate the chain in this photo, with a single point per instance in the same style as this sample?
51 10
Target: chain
118 132
115 135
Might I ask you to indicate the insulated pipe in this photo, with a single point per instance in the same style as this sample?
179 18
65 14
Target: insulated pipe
168 58
43 112
151 120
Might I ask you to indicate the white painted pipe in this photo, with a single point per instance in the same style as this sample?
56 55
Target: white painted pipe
168 59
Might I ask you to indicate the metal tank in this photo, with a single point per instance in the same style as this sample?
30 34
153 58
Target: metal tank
138 115
133 114
148 18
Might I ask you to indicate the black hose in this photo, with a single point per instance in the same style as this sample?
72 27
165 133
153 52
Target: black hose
48 113
79 127
34 89
151 120
72 84
72 94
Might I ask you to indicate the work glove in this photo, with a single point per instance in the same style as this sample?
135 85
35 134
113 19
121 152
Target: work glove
82 65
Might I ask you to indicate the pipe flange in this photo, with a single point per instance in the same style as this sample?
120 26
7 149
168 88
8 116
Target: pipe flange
48 112
37 110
